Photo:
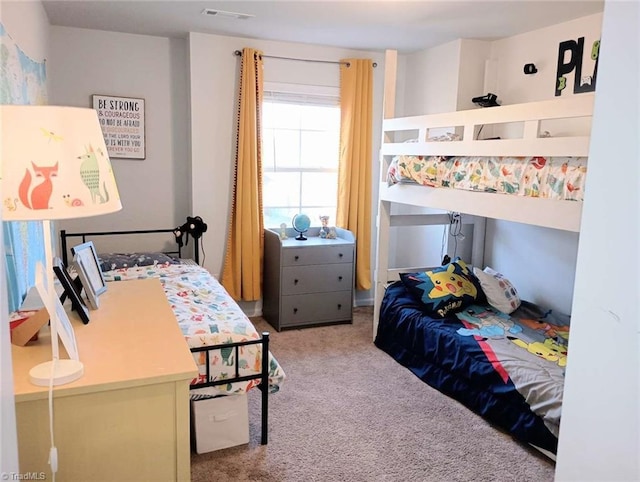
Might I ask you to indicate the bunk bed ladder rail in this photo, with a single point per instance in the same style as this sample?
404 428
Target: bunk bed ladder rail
468 121
263 375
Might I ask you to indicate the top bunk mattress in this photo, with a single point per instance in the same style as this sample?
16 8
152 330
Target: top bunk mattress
557 178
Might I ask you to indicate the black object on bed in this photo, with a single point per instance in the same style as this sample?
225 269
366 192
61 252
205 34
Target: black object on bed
454 357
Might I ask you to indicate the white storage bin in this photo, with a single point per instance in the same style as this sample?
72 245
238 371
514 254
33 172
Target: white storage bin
220 422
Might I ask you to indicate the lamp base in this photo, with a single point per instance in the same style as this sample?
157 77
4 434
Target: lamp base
64 371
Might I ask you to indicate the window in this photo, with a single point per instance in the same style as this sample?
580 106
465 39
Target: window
300 150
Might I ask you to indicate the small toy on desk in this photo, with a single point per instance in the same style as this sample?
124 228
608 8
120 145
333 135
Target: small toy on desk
283 231
324 230
24 325
332 233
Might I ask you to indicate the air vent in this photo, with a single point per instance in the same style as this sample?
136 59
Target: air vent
222 13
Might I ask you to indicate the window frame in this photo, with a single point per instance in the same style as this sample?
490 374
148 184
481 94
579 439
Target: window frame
288 94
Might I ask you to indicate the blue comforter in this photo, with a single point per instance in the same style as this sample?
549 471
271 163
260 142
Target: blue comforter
507 368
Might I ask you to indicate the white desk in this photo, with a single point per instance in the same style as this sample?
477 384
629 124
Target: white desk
127 418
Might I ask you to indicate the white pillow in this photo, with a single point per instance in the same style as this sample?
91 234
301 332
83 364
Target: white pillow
501 294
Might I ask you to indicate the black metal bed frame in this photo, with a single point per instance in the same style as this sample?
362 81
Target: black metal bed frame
263 376
64 235
264 341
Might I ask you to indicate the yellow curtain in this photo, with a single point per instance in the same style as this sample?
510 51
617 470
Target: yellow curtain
242 272
354 171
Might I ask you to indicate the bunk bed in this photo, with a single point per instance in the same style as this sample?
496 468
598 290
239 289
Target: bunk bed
226 347
449 350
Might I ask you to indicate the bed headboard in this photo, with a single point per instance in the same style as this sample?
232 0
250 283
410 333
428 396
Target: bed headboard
87 236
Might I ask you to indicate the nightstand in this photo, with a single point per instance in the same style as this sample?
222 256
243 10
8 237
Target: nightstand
308 283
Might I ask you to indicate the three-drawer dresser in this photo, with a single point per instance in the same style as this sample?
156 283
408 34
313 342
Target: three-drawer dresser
308 282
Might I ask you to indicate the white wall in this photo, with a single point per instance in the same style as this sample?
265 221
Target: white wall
154 191
599 433
539 47
213 72
430 80
548 277
471 76
27 24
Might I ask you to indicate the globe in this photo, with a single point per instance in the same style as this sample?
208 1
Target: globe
301 223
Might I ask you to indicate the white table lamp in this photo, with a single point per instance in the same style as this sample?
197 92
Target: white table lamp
54 165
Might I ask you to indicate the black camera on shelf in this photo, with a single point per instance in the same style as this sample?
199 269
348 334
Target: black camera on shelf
489 100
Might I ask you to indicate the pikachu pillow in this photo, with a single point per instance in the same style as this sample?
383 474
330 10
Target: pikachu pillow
445 290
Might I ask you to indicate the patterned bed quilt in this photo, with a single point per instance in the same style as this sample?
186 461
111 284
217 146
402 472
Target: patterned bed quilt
559 178
207 315
507 368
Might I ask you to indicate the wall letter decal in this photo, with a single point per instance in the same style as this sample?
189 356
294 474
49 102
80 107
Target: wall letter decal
581 83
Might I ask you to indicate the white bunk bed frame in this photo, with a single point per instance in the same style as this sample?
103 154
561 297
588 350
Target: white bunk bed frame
556 214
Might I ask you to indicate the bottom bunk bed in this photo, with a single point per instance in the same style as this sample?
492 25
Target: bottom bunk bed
508 368
227 348
530 166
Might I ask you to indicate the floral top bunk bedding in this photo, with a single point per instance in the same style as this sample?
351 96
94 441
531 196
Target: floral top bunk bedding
558 178
207 315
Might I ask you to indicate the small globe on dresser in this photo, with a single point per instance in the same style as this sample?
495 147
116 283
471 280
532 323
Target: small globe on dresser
301 223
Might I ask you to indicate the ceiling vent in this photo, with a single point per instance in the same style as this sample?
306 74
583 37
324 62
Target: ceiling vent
222 13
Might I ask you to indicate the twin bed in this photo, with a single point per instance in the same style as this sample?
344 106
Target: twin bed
232 357
461 329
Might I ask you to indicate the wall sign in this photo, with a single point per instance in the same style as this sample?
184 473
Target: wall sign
122 122
574 63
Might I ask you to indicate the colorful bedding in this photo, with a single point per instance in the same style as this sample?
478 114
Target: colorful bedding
559 178
207 315
507 368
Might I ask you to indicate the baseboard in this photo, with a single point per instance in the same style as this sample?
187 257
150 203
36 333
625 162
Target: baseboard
251 308
363 302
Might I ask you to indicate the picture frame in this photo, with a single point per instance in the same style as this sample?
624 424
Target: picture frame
88 267
92 296
122 120
71 291
64 328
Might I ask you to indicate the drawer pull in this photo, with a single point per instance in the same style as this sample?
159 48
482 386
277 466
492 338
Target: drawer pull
340 255
296 257
295 310
339 278
339 306
295 281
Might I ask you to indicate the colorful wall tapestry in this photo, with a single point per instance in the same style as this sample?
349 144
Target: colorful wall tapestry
22 81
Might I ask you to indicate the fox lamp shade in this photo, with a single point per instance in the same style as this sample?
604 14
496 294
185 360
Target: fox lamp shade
54 164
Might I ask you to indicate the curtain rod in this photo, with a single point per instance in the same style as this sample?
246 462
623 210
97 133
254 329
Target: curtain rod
239 53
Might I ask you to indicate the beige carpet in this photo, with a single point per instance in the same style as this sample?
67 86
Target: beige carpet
349 412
